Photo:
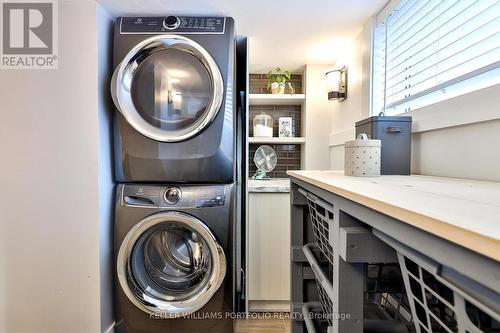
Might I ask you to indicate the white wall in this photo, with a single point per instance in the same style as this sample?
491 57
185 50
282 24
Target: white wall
357 105
468 151
106 184
452 138
316 115
459 137
49 203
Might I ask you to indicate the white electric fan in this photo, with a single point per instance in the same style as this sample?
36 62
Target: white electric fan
265 159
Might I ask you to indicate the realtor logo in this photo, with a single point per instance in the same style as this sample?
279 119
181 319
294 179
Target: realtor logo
29 34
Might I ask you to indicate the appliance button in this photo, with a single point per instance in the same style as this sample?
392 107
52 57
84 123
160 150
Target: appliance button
172 195
171 22
219 200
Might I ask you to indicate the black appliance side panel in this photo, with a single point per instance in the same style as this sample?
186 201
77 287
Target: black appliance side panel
242 170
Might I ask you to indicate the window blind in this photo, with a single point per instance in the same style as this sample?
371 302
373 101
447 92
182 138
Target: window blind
430 50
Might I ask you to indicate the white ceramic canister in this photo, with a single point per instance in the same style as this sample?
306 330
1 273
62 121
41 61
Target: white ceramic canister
362 157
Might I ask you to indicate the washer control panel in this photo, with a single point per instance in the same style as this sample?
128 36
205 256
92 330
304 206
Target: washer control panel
215 201
154 196
178 24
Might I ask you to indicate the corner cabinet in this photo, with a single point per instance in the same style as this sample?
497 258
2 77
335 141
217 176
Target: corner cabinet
269 246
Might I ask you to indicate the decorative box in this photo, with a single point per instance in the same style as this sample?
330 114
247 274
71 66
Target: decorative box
285 127
394 132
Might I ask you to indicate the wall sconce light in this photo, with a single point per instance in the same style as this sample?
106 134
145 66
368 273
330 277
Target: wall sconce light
336 80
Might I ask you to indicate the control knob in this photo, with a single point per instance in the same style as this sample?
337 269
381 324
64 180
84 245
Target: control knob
172 195
171 22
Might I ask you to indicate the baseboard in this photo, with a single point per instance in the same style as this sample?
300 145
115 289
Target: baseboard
268 306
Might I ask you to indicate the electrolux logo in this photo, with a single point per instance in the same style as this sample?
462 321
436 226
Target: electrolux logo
29 34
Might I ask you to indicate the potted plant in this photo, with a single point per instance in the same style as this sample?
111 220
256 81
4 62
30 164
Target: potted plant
277 80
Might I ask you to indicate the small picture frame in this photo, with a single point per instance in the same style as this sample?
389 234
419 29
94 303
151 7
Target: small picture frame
285 127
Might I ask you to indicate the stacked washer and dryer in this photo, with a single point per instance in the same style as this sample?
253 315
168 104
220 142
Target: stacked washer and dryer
175 145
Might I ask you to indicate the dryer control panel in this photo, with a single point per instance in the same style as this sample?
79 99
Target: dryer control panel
175 196
174 24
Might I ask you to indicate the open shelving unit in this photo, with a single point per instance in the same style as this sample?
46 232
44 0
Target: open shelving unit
274 140
270 99
290 150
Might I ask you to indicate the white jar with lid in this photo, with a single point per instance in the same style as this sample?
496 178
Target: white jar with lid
263 126
362 157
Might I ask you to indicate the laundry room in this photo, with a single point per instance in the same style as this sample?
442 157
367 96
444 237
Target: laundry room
250 166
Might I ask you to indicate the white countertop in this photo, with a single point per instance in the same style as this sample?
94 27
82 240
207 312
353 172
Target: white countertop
465 212
270 185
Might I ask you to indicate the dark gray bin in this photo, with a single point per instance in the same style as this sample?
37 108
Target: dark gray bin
395 134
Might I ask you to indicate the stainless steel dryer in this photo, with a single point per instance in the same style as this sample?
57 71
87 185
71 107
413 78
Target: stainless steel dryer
174 249
174 89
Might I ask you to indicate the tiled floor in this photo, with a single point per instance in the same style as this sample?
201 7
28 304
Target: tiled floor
272 325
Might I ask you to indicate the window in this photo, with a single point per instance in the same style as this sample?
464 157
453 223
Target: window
426 51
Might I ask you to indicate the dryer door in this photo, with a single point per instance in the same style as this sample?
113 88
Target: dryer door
168 87
170 264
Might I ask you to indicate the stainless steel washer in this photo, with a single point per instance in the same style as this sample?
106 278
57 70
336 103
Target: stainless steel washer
174 248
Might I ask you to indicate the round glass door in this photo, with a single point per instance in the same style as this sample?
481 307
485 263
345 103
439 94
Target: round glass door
170 264
168 88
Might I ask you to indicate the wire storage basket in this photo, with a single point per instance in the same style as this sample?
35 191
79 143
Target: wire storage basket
323 273
382 304
385 290
322 219
440 305
310 312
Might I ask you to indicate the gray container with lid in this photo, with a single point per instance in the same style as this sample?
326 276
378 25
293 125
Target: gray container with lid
395 135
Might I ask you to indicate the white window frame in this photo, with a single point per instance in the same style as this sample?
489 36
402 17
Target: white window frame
451 108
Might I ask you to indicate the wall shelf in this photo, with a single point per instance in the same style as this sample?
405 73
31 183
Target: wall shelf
290 150
276 140
275 99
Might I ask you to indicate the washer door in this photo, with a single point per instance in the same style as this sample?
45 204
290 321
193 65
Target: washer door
170 264
168 88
